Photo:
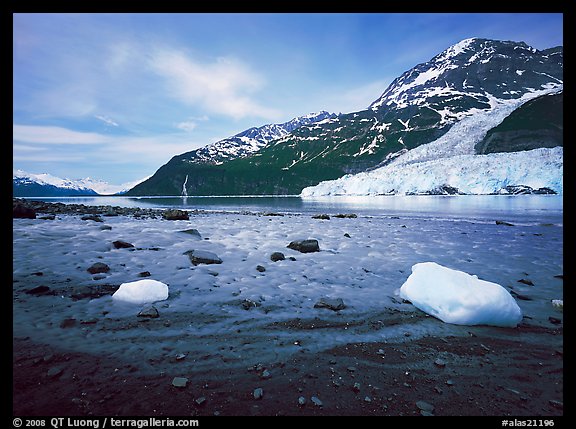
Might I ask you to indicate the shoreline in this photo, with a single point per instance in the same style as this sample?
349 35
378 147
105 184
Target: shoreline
230 329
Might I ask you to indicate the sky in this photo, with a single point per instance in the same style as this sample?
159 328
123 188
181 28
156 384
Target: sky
115 96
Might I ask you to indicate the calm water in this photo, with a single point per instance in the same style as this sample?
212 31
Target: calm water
521 208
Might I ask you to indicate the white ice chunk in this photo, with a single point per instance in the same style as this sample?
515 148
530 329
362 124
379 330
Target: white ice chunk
459 298
142 291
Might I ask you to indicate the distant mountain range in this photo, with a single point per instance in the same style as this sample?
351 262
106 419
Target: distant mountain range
471 78
45 185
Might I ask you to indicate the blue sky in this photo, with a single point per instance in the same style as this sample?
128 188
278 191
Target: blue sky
115 96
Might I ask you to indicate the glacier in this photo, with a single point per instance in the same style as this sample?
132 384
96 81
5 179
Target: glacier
450 161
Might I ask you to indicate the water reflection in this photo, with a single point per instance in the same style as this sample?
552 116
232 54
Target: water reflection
469 206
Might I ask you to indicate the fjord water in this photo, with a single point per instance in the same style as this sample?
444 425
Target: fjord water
519 208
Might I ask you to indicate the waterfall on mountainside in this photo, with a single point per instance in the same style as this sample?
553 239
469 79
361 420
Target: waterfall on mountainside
184 192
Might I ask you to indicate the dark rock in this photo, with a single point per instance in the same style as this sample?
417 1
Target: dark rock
39 290
92 292
22 212
68 323
544 191
346 215
526 282
202 257
321 216
175 215
98 267
501 222
144 274
305 246
347 235
277 256
444 190
520 296
119 244
93 217
334 304
554 320
193 232
47 217
106 228
149 311
260 268
247 304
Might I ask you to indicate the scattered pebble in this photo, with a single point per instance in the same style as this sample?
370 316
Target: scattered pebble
258 393
556 404
119 244
179 381
425 406
317 402
334 304
277 256
150 312
301 401
54 372
440 363
98 267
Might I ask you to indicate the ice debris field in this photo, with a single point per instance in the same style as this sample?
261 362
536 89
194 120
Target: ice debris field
252 306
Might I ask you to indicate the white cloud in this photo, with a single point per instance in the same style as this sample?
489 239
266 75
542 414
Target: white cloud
55 135
191 123
37 143
107 120
221 87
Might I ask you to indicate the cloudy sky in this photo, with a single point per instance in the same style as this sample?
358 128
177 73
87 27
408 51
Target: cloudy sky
115 96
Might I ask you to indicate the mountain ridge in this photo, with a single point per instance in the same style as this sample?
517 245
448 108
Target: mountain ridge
26 184
472 76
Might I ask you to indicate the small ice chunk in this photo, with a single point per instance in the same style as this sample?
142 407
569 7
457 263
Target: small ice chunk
459 298
142 291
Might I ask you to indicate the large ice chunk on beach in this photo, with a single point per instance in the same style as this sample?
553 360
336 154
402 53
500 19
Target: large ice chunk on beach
459 298
142 291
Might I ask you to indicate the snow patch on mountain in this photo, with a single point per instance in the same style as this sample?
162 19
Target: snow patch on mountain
250 141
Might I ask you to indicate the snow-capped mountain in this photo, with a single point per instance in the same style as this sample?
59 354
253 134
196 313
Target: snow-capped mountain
46 185
474 72
474 76
249 141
